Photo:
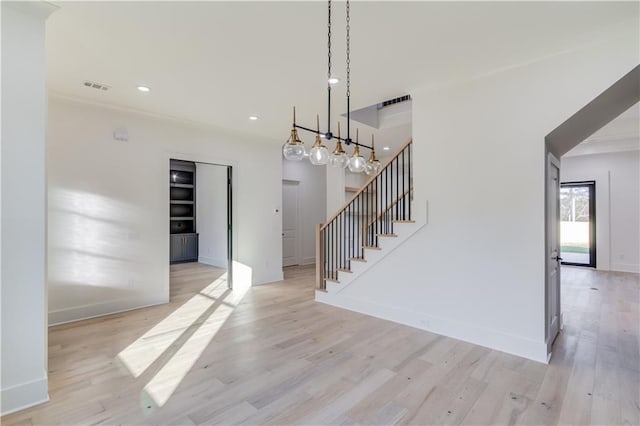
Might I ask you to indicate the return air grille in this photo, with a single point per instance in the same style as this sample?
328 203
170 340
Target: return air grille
394 101
97 86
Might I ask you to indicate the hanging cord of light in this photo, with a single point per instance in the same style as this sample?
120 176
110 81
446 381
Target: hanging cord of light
328 135
348 140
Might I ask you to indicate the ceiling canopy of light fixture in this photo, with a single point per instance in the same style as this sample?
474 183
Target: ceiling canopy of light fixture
294 149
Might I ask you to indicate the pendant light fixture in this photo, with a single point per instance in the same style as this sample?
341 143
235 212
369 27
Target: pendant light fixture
319 154
357 163
339 157
294 149
373 164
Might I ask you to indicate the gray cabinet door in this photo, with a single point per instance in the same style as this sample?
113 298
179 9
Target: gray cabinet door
190 247
176 248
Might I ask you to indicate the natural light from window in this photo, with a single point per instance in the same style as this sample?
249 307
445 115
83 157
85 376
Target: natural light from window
188 330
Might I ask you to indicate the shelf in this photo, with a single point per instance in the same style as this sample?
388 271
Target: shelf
180 185
181 218
180 202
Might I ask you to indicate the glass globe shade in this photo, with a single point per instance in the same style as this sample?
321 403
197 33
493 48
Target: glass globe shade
319 155
372 168
293 151
339 160
357 164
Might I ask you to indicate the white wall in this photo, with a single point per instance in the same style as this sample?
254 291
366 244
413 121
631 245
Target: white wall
617 177
312 190
335 179
24 339
477 270
211 214
109 212
354 180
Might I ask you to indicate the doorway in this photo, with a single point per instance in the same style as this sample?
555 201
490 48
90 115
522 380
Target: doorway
290 223
578 223
615 100
201 217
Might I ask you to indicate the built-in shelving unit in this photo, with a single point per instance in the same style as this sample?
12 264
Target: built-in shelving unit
182 212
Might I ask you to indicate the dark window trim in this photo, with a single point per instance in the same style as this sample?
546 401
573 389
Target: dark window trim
591 184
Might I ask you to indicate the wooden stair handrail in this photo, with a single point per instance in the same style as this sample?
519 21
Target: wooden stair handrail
364 187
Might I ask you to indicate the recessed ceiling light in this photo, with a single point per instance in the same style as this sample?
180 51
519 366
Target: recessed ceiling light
143 89
334 80
253 117
386 148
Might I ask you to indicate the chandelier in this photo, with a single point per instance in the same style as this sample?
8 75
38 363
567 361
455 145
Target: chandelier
319 154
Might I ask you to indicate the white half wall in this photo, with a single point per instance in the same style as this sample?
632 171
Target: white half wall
109 212
312 189
617 177
211 214
23 353
476 272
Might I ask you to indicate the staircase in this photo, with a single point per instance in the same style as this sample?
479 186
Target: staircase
378 218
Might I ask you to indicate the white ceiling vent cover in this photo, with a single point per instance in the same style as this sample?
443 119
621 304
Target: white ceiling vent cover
97 86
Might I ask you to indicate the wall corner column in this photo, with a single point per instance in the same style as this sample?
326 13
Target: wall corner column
23 300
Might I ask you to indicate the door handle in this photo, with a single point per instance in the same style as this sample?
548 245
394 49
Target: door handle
557 258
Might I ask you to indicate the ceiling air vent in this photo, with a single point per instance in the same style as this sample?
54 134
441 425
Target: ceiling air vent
97 86
394 101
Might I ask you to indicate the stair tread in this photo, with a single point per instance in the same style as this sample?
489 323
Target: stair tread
387 235
333 280
404 221
343 270
371 247
358 259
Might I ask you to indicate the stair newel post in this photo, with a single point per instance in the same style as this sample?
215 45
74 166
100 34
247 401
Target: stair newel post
410 147
366 217
404 217
319 257
361 218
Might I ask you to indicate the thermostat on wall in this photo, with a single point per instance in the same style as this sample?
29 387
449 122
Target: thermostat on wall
121 135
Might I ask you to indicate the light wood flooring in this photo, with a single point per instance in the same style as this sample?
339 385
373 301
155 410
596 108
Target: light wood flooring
277 357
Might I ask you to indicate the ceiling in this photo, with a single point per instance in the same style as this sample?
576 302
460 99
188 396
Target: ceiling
216 63
621 134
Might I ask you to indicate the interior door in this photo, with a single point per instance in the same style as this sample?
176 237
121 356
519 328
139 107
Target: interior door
290 223
553 250
230 227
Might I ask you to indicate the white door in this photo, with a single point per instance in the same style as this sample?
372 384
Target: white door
553 251
290 223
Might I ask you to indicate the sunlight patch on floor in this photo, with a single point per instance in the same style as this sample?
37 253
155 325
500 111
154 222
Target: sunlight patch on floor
166 381
139 355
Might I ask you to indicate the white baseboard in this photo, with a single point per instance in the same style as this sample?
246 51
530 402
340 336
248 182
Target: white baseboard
213 261
77 313
311 260
268 279
471 333
625 267
24 395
